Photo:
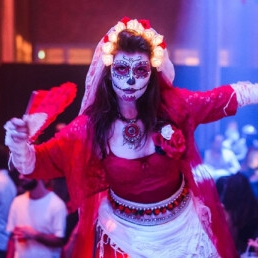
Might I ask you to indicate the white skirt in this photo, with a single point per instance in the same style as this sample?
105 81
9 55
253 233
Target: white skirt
182 237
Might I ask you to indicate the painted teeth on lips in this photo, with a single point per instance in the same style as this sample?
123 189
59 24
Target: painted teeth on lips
128 98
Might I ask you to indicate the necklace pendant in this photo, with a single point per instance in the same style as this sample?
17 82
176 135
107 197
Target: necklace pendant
132 135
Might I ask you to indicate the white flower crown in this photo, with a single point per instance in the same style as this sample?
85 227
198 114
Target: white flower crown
143 28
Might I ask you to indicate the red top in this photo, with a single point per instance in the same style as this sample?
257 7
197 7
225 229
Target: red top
145 180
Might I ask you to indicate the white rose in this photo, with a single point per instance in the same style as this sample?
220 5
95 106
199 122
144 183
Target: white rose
167 132
135 25
119 27
156 62
108 47
158 52
158 39
107 59
149 34
112 36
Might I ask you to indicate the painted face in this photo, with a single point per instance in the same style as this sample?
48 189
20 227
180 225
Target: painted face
130 75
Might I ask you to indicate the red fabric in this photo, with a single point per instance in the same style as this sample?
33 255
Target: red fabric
70 154
144 180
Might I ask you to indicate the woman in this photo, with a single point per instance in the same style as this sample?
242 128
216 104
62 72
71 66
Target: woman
130 158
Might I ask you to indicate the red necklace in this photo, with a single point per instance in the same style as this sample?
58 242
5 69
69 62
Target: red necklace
132 133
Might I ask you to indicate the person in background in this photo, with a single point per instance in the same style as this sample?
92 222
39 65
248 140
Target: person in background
234 141
249 168
36 221
130 157
241 208
250 135
7 193
220 161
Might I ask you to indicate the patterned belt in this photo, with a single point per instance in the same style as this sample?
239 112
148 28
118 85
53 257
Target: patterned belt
151 213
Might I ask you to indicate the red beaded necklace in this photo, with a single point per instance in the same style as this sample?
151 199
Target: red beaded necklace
132 133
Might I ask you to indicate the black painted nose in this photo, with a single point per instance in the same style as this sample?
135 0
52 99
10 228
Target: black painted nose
131 81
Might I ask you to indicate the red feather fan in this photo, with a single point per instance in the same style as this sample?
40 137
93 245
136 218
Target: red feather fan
45 105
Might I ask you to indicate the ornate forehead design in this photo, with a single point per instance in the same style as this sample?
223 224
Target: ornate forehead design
143 28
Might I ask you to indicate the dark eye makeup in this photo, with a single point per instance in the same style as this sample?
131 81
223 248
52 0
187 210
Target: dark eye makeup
139 70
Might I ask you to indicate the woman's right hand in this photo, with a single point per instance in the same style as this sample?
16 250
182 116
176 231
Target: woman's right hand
17 139
16 131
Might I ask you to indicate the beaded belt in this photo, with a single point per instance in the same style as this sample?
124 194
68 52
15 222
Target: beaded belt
150 213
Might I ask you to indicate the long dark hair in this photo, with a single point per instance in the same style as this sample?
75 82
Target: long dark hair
104 109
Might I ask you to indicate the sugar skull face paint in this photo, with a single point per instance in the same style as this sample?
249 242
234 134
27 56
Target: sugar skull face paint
130 75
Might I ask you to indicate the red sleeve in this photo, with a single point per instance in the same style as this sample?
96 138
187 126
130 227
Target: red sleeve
200 107
54 158
211 105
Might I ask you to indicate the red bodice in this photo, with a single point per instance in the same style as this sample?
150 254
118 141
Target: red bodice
146 180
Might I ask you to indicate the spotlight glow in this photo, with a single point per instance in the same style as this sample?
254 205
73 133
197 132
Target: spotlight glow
41 54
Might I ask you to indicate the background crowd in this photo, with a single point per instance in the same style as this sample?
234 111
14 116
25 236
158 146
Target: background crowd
232 160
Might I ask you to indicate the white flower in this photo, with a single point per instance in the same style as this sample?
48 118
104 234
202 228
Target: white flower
112 36
167 131
158 39
135 25
107 59
158 52
119 27
156 62
149 34
108 47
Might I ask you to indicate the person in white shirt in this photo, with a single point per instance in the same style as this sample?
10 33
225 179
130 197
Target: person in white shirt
37 220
